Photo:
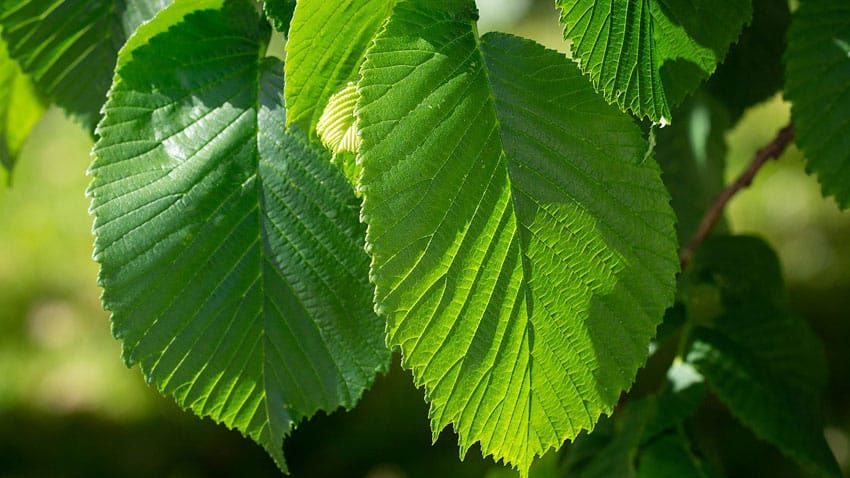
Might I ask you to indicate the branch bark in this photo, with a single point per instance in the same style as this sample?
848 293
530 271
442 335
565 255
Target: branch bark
773 150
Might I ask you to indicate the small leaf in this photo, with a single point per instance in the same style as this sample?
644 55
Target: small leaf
817 83
647 55
522 243
69 47
763 362
327 44
215 226
20 108
338 130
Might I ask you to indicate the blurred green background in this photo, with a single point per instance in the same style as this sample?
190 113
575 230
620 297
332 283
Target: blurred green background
69 407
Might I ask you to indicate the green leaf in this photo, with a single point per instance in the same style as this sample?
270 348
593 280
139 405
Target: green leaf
670 456
753 71
618 447
719 262
327 44
69 47
215 226
692 154
817 83
522 243
763 362
647 55
279 13
682 395
618 456
338 130
20 109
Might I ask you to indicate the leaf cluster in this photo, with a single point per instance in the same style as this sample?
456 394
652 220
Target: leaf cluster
506 218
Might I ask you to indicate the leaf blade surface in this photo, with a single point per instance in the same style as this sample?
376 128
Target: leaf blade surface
231 254
501 264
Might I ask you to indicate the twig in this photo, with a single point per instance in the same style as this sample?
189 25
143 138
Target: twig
772 151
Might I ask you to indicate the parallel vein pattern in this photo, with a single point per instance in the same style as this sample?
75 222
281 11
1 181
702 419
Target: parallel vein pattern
327 43
231 254
522 246
69 47
647 55
817 83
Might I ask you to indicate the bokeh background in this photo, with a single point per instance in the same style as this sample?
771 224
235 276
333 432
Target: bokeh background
69 407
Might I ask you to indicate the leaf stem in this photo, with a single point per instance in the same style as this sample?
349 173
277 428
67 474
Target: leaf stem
773 150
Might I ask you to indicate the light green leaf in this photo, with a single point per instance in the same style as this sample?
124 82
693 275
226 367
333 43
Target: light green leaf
763 362
279 13
522 243
647 55
215 226
817 83
338 130
327 44
69 47
20 108
753 71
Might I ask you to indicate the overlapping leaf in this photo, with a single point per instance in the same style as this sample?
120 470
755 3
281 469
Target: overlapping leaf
20 108
762 361
818 85
338 131
231 252
327 44
522 241
69 47
647 55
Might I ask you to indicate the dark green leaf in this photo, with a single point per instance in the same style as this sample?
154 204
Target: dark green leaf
692 154
753 71
818 85
670 456
231 252
763 362
279 12
744 270
69 47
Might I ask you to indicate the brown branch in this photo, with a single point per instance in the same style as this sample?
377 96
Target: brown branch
772 151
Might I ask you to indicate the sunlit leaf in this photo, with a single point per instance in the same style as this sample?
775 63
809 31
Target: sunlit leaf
522 241
20 108
231 252
647 55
